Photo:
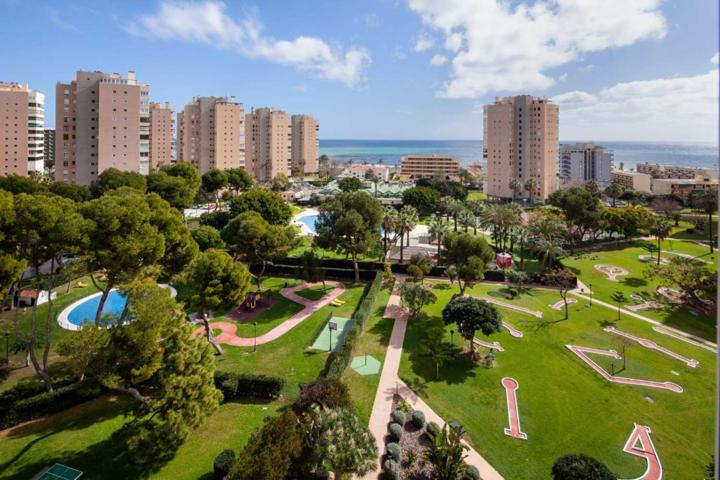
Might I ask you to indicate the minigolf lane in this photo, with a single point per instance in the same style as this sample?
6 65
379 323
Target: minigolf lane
228 329
649 344
511 385
640 444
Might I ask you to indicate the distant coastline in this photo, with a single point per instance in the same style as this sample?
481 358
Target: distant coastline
702 155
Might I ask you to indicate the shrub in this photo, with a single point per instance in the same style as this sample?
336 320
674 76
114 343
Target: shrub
580 467
227 383
396 431
471 473
398 417
328 392
259 386
393 451
418 419
222 464
432 429
391 470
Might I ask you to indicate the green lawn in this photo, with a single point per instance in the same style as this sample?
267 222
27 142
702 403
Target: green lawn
476 195
316 292
626 256
565 407
305 243
681 231
373 341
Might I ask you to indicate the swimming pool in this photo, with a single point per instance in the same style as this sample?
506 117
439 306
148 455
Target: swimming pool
83 311
309 222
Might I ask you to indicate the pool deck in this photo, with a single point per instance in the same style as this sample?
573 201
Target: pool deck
304 229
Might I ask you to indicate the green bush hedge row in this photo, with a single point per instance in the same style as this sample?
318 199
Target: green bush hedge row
339 360
233 385
45 403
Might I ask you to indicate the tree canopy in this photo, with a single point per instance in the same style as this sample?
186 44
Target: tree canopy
470 315
112 179
239 179
580 467
350 184
269 205
207 237
469 255
415 296
424 199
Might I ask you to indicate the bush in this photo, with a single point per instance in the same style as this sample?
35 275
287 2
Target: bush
471 473
580 467
222 464
391 470
432 429
227 383
398 417
329 392
418 419
339 360
396 431
393 451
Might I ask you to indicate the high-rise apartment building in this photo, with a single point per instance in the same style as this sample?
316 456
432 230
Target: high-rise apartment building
304 145
22 122
521 142
161 134
102 120
268 143
582 162
211 133
49 147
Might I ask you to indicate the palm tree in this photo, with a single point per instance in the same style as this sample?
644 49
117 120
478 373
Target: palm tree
477 207
407 219
389 224
437 228
455 208
466 218
515 187
530 186
661 230
614 190
446 452
444 206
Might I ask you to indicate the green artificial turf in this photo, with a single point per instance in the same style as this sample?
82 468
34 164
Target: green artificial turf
565 407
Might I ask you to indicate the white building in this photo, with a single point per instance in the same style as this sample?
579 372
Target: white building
582 162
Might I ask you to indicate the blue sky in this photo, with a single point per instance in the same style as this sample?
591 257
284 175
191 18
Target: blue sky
410 69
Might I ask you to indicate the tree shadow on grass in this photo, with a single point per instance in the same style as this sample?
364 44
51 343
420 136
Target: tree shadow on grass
441 286
383 328
634 282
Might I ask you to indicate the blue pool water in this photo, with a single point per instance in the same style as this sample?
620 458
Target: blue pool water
309 221
85 312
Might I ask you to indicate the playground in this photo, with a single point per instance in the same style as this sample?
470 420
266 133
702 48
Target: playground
557 401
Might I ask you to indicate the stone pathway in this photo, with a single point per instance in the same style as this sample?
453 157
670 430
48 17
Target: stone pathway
228 329
390 384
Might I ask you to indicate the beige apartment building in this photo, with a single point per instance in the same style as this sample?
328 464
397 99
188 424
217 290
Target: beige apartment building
429 166
521 142
211 133
161 134
22 122
656 170
268 140
632 181
684 187
102 120
304 145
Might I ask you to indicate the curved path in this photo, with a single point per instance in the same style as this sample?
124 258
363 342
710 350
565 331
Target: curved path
228 329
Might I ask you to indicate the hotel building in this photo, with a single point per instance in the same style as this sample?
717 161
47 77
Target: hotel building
684 187
161 134
304 145
583 162
632 181
268 137
211 133
102 121
521 142
22 122
655 170
429 166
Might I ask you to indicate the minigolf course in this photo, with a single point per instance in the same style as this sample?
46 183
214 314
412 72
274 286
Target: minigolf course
640 444
582 352
560 304
611 271
690 362
493 345
513 331
511 386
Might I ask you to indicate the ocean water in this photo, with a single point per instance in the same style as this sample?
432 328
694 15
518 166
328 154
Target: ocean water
470 151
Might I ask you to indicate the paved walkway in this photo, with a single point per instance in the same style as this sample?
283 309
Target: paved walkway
228 329
390 384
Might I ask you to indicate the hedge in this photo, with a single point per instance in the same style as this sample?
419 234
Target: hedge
339 360
222 464
233 385
46 403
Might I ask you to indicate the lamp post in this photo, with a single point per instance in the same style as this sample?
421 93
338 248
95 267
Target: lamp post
590 292
255 337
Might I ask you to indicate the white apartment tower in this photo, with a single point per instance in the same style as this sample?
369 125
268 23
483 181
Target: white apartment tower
22 134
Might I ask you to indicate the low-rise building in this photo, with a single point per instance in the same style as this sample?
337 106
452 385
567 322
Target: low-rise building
656 170
633 181
684 187
429 166
362 171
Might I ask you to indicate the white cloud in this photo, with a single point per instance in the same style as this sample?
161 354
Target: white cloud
563 77
424 42
438 60
664 109
587 68
499 46
208 22
715 58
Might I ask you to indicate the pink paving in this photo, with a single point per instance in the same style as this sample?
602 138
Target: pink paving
581 352
513 331
559 305
495 345
511 385
685 339
646 450
692 363
243 315
517 308
228 336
